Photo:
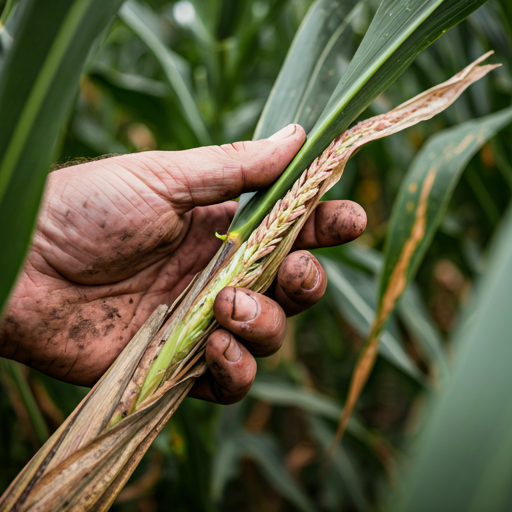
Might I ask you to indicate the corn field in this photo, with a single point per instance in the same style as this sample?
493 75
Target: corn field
392 393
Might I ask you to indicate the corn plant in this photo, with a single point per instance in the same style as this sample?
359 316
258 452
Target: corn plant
83 452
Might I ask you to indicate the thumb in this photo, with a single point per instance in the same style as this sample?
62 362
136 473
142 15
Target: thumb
212 174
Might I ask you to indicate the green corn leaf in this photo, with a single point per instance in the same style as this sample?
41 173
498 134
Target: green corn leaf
286 395
150 102
353 292
314 64
140 19
398 33
8 9
506 8
134 83
8 23
282 394
38 83
265 452
13 369
324 33
342 468
423 199
225 465
247 35
208 14
413 313
464 453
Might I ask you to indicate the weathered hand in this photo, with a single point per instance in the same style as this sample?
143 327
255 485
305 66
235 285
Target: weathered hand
117 237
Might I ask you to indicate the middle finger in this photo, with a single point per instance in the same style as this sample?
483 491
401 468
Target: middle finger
256 319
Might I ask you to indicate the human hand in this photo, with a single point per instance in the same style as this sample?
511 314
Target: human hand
117 237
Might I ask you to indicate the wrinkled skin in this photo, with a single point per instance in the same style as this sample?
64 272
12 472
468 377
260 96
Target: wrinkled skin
117 237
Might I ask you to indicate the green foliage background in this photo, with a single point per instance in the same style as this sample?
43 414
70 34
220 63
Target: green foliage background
181 74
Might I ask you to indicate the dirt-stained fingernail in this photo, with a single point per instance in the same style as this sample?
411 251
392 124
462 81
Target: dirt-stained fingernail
245 308
311 278
233 353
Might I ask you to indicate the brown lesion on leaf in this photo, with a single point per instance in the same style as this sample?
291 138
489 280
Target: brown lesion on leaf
395 288
466 141
398 279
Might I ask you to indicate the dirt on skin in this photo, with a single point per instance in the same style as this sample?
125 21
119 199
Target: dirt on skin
347 222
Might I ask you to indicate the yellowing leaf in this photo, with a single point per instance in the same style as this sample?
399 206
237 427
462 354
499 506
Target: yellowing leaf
442 156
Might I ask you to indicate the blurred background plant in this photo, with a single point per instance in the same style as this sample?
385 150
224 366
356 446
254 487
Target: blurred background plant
177 74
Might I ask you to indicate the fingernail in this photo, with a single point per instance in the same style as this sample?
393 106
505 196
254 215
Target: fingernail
312 276
284 133
245 308
233 352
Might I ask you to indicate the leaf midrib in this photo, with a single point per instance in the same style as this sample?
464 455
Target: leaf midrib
323 56
365 77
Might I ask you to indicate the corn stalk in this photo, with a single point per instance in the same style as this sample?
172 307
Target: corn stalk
86 462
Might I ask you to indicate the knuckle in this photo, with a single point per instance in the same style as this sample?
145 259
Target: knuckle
238 146
277 324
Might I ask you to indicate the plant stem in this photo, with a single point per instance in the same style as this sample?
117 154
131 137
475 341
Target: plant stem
200 318
36 417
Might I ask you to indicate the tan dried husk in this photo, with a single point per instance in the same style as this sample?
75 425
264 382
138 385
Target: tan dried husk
86 462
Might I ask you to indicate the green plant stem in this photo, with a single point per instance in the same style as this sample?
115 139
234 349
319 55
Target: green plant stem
193 326
29 401
395 38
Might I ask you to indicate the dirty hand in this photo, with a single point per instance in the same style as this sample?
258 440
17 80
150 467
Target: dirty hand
117 237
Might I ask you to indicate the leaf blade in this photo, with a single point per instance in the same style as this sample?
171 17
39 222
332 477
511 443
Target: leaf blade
438 480
397 282
419 27
448 153
362 314
134 15
33 109
324 24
